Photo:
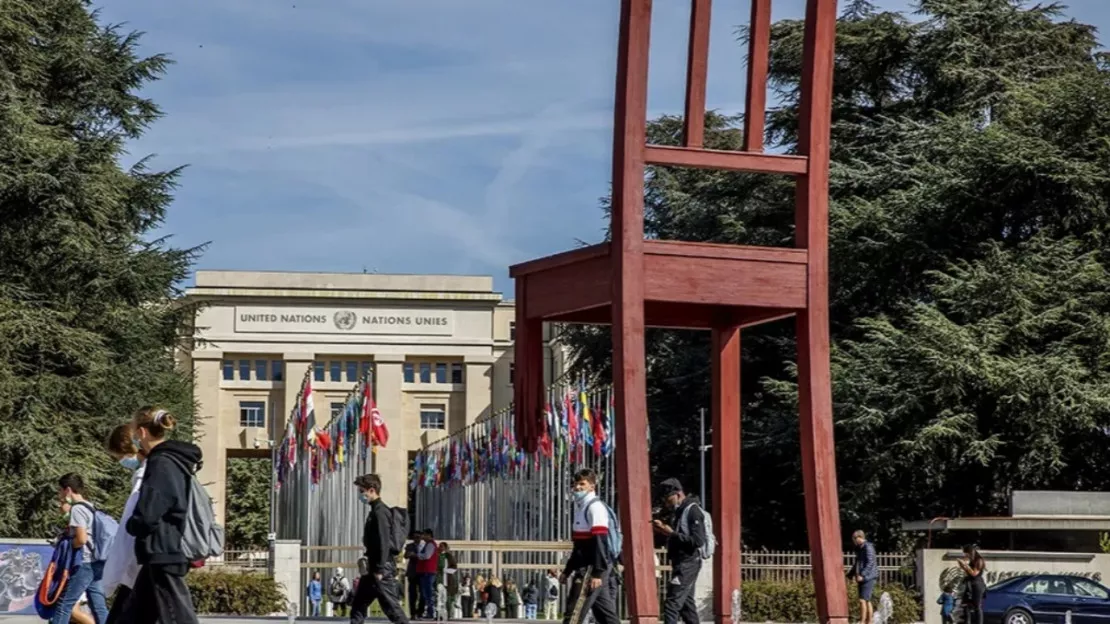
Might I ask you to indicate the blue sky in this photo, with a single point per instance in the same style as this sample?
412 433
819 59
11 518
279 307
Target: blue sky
407 136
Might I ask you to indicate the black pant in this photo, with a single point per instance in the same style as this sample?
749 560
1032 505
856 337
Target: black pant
160 596
118 603
976 589
386 591
415 602
601 601
680 603
467 607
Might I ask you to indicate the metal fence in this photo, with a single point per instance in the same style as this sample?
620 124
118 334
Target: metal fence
785 566
485 488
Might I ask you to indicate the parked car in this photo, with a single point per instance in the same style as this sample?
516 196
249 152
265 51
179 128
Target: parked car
1045 599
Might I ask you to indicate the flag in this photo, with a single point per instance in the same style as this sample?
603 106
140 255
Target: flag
378 429
308 409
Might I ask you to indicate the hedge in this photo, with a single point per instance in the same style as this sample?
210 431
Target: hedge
769 601
235 593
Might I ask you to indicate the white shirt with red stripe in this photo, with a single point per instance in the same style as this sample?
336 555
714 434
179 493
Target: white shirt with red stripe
591 518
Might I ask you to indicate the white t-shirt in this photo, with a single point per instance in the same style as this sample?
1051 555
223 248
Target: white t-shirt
590 518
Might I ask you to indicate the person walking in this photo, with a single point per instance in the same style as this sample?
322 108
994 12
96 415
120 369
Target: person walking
86 578
339 593
447 575
974 566
121 569
551 595
160 593
380 581
685 538
591 562
412 579
427 565
865 572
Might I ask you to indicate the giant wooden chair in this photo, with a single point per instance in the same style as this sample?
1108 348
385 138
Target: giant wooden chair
634 283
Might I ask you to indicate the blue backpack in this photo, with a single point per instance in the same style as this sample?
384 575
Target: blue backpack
616 539
104 529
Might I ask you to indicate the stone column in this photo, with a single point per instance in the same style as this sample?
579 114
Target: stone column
208 429
479 389
285 562
392 462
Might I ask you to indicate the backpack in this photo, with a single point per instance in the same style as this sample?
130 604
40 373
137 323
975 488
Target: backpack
552 592
202 537
706 550
103 531
336 590
615 539
399 529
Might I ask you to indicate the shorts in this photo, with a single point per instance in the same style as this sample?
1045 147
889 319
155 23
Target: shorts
865 589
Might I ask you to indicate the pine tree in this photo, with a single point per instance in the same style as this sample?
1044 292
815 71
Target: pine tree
970 139
89 318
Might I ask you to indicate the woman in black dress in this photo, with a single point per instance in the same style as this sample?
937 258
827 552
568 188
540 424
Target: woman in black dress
974 568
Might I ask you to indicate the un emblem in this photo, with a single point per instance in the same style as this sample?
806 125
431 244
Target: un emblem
345 320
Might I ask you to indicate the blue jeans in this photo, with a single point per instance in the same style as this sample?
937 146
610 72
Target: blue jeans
529 611
315 607
428 593
83 580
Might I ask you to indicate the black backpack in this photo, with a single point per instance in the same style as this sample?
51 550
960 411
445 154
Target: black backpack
399 529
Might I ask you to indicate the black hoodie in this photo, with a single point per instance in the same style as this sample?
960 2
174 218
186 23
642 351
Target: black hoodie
159 517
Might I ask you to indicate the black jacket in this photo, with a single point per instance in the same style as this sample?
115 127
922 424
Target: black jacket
159 516
377 540
683 545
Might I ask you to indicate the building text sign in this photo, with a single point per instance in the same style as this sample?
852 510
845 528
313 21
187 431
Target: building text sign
397 321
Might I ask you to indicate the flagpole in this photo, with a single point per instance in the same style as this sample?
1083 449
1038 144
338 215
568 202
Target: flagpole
702 448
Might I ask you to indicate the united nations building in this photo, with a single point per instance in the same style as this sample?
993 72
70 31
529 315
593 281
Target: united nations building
439 349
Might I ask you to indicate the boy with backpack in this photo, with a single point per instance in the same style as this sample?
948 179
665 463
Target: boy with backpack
597 541
91 531
688 543
383 537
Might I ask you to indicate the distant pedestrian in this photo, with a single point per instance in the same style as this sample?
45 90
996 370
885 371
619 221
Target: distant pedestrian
466 597
974 567
495 598
412 579
339 592
947 602
552 588
865 572
512 600
315 594
427 566
530 597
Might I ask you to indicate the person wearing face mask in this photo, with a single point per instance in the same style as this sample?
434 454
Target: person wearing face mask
157 522
121 569
684 542
380 579
590 537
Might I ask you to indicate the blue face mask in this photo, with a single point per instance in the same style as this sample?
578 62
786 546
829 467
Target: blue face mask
579 494
365 498
130 463
137 442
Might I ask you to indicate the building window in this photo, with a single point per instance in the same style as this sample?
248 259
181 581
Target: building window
277 370
252 414
425 372
409 371
433 416
512 373
229 370
336 371
336 410
352 371
317 371
244 370
261 370
457 373
512 330
441 372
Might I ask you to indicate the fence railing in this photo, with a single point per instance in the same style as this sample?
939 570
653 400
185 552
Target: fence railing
529 561
784 566
240 560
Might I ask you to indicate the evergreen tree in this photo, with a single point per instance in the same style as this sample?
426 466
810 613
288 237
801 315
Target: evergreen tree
967 143
248 512
89 321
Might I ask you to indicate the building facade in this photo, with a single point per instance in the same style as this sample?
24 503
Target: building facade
439 349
